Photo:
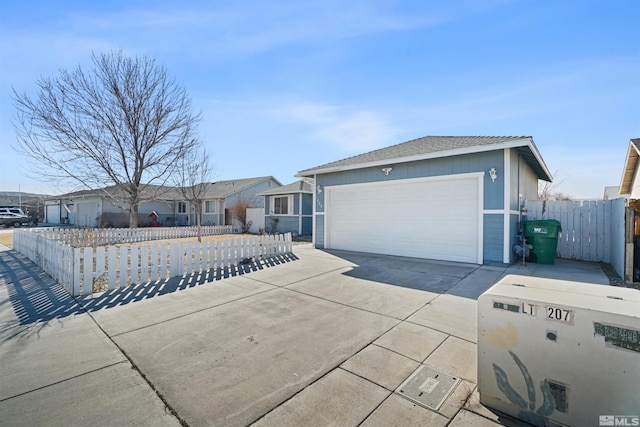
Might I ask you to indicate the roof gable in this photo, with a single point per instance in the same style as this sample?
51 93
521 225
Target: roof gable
630 166
301 186
223 189
430 147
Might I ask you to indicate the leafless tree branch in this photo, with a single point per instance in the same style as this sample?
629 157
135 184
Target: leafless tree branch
123 124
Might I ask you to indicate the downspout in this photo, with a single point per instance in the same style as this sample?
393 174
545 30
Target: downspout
520 202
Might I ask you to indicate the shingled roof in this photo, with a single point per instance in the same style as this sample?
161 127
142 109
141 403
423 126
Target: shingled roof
214 190
301 186
430 147
222 189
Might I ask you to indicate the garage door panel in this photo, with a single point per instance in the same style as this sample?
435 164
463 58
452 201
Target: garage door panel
428 219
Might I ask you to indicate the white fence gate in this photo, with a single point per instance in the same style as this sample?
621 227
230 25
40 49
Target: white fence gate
592 230
256 216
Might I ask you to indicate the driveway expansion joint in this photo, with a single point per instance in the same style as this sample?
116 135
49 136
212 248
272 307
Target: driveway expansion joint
134 366
65 380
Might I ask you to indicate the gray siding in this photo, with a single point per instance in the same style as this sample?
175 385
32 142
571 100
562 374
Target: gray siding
291 223
493 238
493 196
286 224
523 181
296 204
307 225
307 204
249 194
479 162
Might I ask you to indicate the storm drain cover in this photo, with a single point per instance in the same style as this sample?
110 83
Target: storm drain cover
428 387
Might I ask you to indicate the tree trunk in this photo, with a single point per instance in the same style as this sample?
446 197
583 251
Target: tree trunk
133 216
199 222
133 208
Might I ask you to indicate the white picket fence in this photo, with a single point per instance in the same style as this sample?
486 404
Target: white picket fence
82 237
592 230
83 271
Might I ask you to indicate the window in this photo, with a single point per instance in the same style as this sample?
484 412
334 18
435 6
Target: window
182 207
281 205
210 206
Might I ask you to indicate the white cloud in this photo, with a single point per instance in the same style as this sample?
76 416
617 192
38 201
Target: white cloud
234 28
359 132
352 131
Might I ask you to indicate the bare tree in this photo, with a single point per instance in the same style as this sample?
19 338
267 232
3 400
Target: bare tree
239 209
122 125
193 179
549 190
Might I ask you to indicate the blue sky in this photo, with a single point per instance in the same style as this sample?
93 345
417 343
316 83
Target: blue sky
288 85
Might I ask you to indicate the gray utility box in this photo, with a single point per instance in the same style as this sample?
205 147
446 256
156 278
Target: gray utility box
560 353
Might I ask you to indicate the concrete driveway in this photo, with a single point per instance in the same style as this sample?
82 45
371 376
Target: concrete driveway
321 338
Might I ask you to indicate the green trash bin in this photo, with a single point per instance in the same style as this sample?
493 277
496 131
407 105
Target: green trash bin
542 235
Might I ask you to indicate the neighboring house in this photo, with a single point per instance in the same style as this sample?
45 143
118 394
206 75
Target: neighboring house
612 192
289 208
94 208
445 198
630 183
221 197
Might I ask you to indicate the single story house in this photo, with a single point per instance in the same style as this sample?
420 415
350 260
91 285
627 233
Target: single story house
454 198
221 197
612 192
94 208
289 208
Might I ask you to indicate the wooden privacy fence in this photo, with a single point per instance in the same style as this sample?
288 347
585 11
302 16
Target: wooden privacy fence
592 230
82 271
82 237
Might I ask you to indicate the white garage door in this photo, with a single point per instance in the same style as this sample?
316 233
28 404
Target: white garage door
87 214
423 218
53 214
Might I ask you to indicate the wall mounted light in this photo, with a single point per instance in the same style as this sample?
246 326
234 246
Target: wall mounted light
386 171
493 174
318 188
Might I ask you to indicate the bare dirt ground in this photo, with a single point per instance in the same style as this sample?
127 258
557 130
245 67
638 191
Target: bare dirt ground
6 238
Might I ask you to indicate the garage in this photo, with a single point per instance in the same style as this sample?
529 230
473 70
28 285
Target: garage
437 218
87 214
52 214
452 198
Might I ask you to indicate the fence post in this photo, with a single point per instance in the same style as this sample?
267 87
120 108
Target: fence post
87 265
113 272
76 271
134 260
124 266
144 263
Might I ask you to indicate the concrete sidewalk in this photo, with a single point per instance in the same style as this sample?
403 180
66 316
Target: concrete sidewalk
326 338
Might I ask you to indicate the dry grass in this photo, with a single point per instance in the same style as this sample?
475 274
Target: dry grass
101 284
193 239
7 239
